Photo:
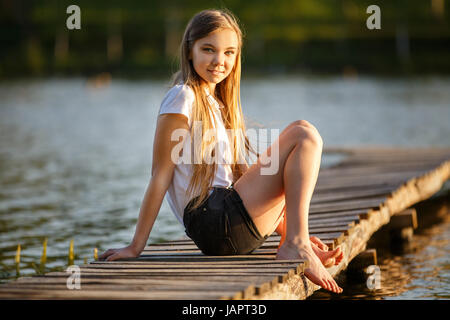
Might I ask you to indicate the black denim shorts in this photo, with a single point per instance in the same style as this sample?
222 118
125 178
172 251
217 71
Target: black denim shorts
222 225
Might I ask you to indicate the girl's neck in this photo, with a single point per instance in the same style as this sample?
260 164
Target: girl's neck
211 91
211 87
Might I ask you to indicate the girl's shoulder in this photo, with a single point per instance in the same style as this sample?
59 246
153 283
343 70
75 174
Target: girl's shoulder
179 94
179 99
181 90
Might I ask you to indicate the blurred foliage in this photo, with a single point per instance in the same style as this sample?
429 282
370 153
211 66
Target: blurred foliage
141 37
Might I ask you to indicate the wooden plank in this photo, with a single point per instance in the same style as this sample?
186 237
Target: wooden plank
353 194
15 293
96 286
180 266
141 284
370 150
405 219
363 260
241 278
197 270
384 177
186 274
331 188
140 281
348 205
376 167
348 215
190 263
415 153
348 185
389 157
201 258
320 223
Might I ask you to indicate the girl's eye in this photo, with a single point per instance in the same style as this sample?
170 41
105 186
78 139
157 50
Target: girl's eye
206 49
229 53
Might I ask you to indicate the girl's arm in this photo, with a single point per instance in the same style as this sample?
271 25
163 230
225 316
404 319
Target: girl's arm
244 167
162 172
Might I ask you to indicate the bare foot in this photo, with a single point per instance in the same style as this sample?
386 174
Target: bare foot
328 258
315 272
318 243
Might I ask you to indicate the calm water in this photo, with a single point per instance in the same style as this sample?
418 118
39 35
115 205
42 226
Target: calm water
420 272
75 159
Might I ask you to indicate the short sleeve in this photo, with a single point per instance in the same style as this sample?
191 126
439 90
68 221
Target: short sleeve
179 99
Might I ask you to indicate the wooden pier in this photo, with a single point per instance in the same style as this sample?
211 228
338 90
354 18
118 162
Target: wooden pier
351 201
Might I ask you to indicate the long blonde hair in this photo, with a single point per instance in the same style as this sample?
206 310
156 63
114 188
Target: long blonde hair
228 91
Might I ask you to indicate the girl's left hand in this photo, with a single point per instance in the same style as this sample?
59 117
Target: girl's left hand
114 254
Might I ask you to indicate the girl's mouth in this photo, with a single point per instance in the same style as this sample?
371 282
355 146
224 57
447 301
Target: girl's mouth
215 72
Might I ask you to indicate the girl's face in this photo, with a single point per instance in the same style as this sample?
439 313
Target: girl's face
214 56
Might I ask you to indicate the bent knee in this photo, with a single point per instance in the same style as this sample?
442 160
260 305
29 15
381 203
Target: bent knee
305 135
302 130
302 123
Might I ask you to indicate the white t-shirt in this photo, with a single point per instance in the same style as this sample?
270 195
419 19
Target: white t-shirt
180 99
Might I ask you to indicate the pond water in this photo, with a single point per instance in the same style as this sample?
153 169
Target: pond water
420 272
75 158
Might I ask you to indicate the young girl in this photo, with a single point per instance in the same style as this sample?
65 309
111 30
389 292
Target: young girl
228 207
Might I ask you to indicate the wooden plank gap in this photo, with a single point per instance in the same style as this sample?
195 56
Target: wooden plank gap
263 288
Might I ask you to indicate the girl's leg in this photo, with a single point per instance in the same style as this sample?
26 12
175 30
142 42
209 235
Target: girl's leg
264 196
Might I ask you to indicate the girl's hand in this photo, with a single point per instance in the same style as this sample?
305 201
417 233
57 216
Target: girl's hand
114 254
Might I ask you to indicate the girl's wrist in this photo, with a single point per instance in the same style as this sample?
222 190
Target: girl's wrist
135 248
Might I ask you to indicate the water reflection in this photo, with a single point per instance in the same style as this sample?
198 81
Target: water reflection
421 272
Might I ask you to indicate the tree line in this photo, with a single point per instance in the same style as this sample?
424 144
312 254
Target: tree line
141 37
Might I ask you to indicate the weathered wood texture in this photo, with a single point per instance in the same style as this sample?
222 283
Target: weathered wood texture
351 201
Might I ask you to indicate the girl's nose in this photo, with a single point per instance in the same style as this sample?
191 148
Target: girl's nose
219 59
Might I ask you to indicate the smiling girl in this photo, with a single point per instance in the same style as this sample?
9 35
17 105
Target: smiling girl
229 208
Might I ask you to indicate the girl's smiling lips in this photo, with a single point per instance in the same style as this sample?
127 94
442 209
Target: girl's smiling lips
215 72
